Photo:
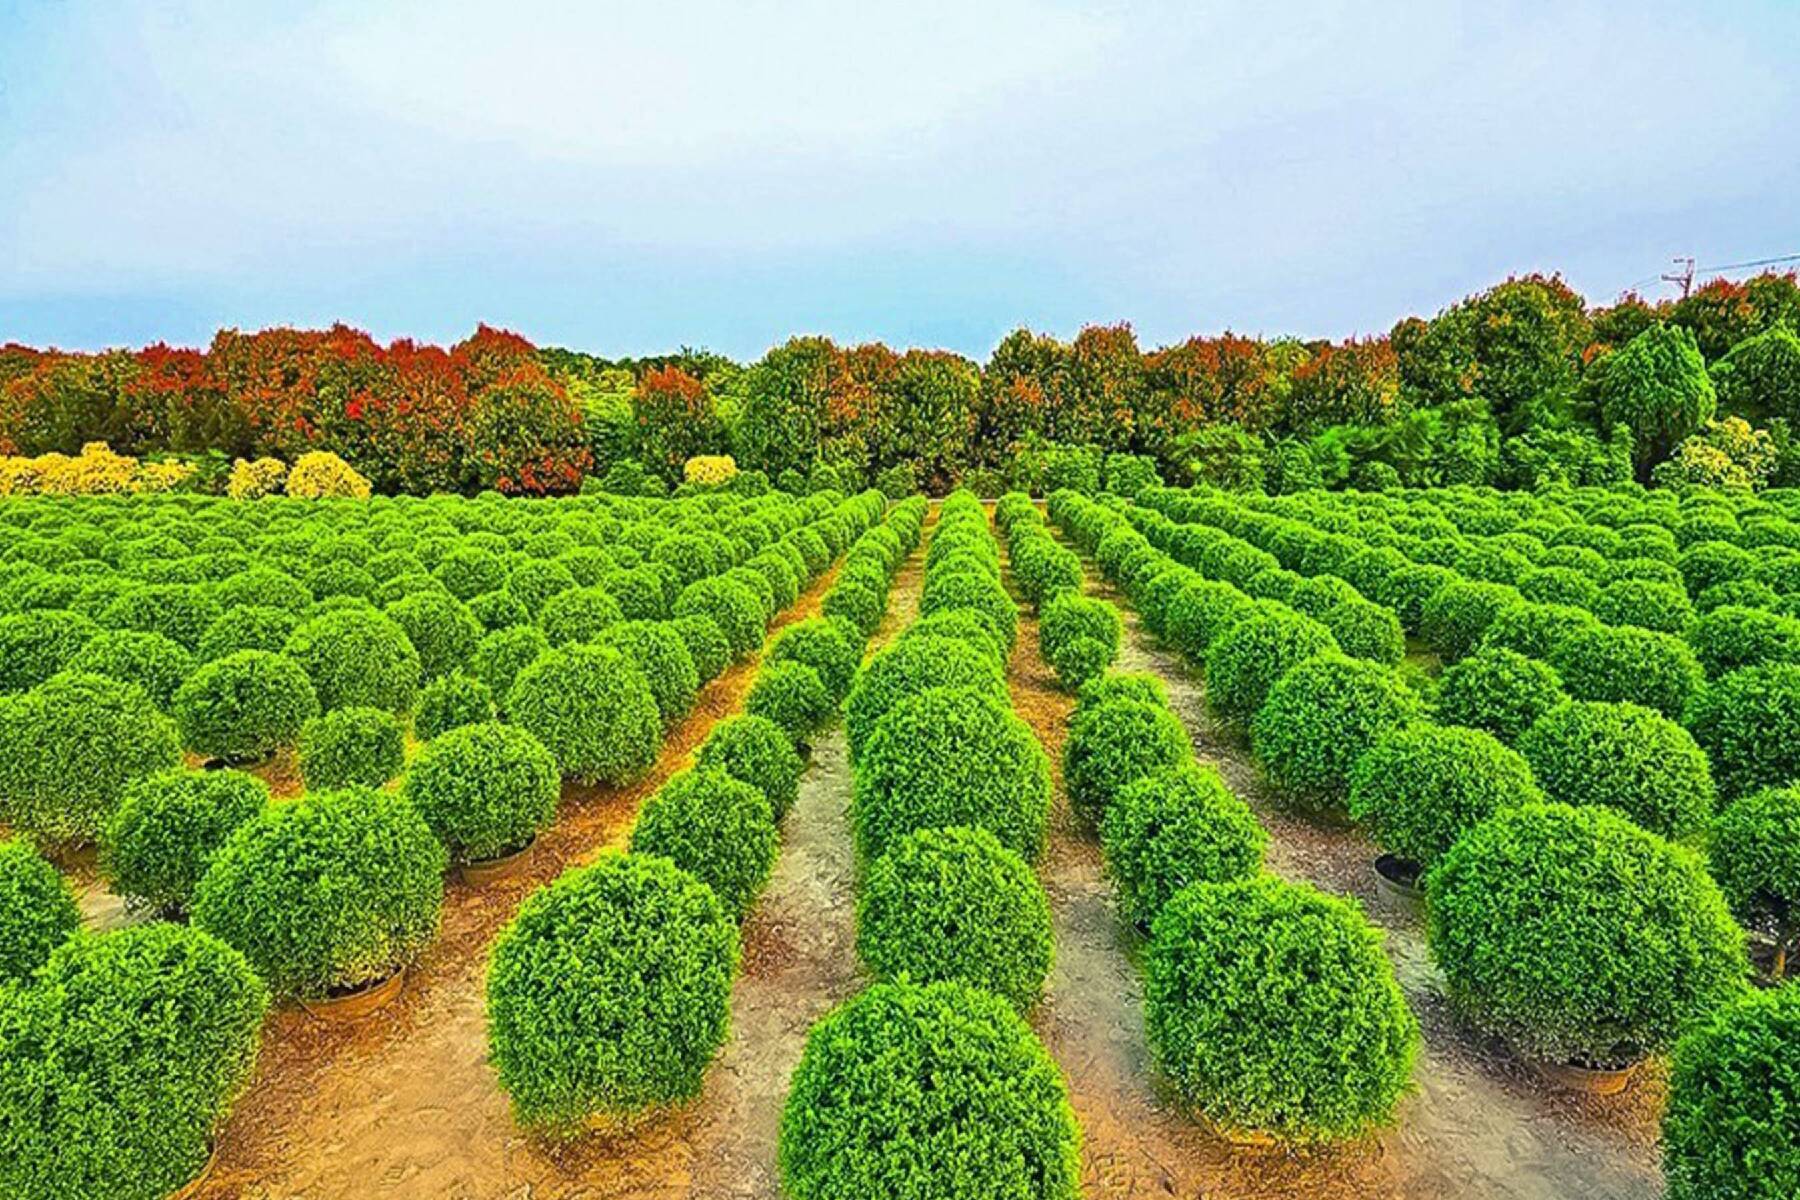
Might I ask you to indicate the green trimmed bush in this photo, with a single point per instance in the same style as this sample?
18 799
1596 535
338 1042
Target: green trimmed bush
1749 725
1319 719
1625 757
861 605
1079 637
755 750
592 709
485 789
1409 589
441 629
328 893
791 695
36 645
351 747
244 706
1421 786
498 610
908 667
37 911
1114 743
1534 629
953 903
166 830
150 660
180 612
1272 1007
734 608
822 644
1621 662
1179 826
1365 630
936 1092
247 627
974 590
1244 662
706 645
357 658
1567 586
964 625
718 829
1729 637
1579 937
1454 619
263 587
535 582
1122 685
450 702
1501 691
70 745
578 615
650 938
501 655
657 650
1043 568
1732 1127
951 756
118 1068
1755 856
1200 612
1664 607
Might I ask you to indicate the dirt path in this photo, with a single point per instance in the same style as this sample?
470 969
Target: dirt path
405 1104
1477 1126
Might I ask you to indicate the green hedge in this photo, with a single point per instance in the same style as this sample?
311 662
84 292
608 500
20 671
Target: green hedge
953 903
1318 720
1579 937
1112 744
357 657
717 828
823 644
1500 691
938 1092
1422 786
1272 1008
150 660
1627 758
909 666
661 655
351 747
1244 662
1749 725
1732 1127
1079 637
791 694
1178 826
36 645
247 627
592 709
37 911
328 893
733 607
167 829
755 750
485 789
450 702
1621 663
650 938
1755 856
951 756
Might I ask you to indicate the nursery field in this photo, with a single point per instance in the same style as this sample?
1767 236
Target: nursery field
1415 843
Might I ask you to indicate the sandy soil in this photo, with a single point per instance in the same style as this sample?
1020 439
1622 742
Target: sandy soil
1478 1125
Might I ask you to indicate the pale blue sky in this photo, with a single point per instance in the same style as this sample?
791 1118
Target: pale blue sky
626 178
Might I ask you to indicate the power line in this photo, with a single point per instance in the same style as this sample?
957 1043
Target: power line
1758 262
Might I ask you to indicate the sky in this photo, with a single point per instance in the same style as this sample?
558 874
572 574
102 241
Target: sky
631 178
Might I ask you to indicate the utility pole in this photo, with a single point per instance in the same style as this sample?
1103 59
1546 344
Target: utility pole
1685 276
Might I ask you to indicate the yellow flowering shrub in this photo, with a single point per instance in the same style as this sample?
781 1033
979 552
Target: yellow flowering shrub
253 480
321 474
95 471
709 469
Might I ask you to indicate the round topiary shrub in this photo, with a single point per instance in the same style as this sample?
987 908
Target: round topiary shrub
643 933
450 702
1122 685
501 655
351 747
1755 856
706 645
247 627
535 582
1365 630
487 790
180 612
1457 614
718 829
951 756
36 645
357 657
1579 937
1625 757
1534 629
118 1067
791 695
328 894
592 709
733 607
1732 1127
498 610
1730 637
1501 691
657 650
1114 743
822 644
1620 662
964 625
1200 612
1319 719
974 590
166 830
953 903
1645 603
1273 1008
1079 637
755 750
1421 786
578 615
861 605
1245 661
935 1092
37 911
1748 723
1179 826
441 629
244 706
150 660
70 745
263 587
908 667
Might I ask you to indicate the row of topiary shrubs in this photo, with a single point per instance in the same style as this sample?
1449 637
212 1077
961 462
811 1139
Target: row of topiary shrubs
930 1083
655 930
1561 925
1077 635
